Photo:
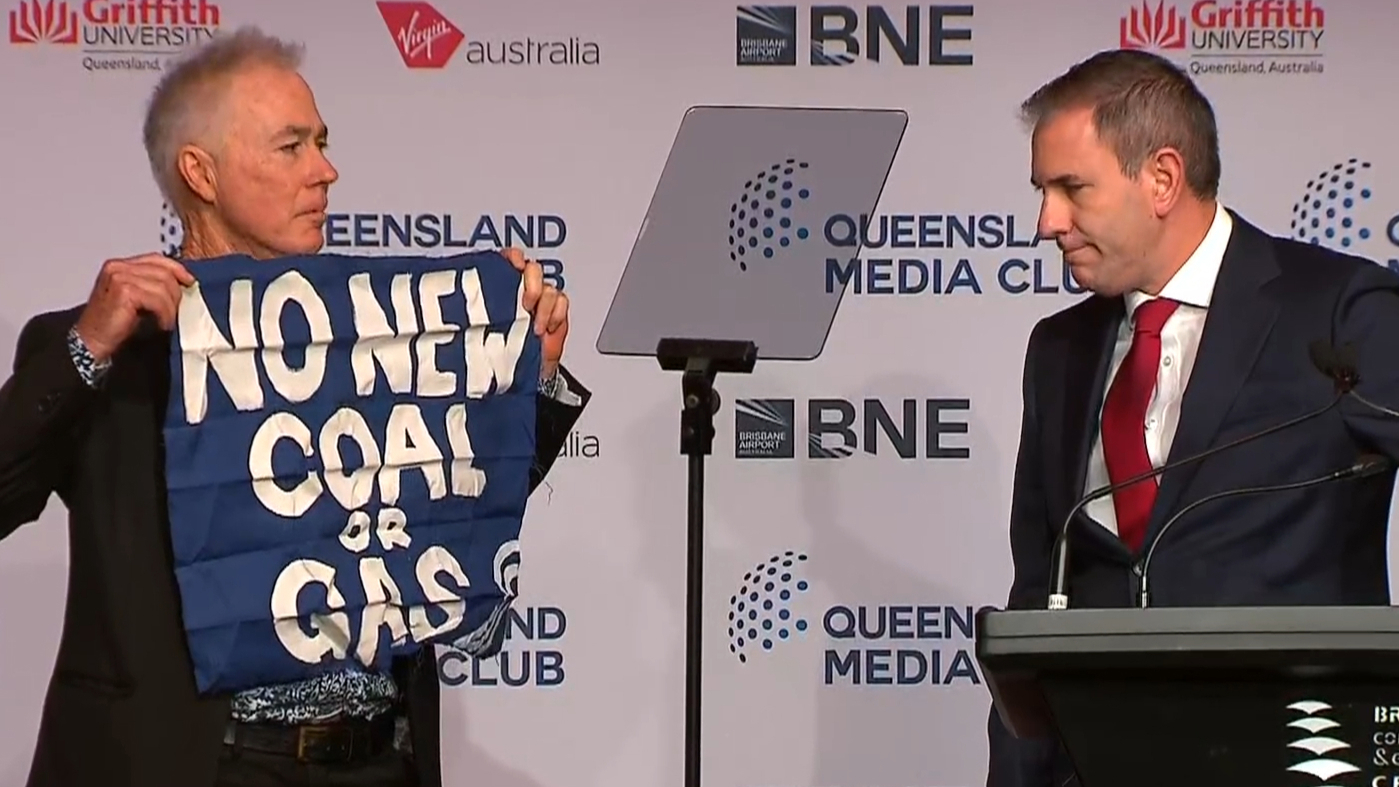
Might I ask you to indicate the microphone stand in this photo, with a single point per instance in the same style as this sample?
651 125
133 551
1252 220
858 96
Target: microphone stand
700 360
1365 466
1059 553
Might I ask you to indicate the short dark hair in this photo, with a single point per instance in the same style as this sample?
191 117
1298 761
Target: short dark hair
1141 103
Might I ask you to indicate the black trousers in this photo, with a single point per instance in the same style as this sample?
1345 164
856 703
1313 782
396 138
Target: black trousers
243 768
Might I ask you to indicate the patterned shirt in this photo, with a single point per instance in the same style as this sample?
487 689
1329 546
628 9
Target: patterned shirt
352 692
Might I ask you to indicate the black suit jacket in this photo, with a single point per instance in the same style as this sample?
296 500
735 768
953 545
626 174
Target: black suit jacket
121 708
1320 546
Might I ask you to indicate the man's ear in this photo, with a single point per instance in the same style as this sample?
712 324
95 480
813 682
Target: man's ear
197 170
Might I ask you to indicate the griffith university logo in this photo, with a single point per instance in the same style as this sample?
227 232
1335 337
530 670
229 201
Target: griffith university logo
764 220
764 612
1145 28
1319 762
40 22
1239 37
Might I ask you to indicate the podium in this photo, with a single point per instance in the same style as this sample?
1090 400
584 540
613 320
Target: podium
1203 697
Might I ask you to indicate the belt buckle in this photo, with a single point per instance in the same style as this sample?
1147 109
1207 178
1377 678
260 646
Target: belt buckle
307 735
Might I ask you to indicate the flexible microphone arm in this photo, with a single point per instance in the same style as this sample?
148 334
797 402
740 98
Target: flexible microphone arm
1059 573
1339 364
1367 465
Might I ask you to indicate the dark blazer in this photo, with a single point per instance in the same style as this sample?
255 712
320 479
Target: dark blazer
1320 546
121 709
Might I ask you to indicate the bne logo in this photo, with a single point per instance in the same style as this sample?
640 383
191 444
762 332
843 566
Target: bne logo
1338 210
763 220
532 654
863 645
841 35
1319 763
838 428
445 233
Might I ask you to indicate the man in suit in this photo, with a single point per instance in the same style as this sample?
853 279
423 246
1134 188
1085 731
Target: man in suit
1196 334
238 147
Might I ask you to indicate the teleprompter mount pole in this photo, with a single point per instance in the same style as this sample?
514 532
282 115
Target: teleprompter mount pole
700 360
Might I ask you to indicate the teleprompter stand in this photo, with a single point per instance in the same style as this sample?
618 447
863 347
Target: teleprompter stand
700 361
730 250
1206 697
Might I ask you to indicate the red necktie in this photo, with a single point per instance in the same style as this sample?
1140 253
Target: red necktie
1124 421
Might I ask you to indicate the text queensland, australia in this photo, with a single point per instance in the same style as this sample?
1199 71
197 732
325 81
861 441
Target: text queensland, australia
253 358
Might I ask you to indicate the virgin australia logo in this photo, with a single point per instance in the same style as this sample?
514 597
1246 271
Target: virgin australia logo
1314 722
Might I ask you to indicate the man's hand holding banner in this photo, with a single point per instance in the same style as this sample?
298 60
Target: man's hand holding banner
348 443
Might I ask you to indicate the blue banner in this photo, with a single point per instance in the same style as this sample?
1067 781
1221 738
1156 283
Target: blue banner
348 443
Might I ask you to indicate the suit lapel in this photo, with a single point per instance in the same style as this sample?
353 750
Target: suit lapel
1236 326
1087 361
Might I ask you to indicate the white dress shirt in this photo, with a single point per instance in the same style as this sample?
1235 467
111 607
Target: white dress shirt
1180 339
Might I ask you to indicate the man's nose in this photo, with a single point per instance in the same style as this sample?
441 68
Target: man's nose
1054 218
326 173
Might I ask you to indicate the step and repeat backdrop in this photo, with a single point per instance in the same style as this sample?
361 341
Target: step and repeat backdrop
858 501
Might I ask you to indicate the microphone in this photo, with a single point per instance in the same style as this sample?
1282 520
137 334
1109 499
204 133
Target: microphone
1059 572
1339 364
1364 467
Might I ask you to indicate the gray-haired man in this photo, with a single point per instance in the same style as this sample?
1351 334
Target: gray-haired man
238 148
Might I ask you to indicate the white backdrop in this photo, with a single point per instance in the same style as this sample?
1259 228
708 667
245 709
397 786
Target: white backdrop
890 539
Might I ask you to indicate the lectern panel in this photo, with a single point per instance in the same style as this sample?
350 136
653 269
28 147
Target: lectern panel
1205 732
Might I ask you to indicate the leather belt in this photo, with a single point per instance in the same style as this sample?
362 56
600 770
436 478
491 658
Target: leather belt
340 741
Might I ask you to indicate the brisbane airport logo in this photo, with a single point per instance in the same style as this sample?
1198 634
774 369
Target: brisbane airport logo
540 235
841 428
1341 210
838 35
774 616
115 35
771 222
1231 37
426 39
532 656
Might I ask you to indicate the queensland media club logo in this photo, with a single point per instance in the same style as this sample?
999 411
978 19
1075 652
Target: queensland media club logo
761 613
772 217
773 612
1316 737
839 428
408 234
532 655
172 231
1339 209
841 35
1239 37
427 39
765 220
134 35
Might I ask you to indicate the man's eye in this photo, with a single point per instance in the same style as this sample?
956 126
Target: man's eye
291 148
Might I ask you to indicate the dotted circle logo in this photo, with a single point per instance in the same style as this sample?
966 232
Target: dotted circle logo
760 221
1327 214
172 231
760 613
